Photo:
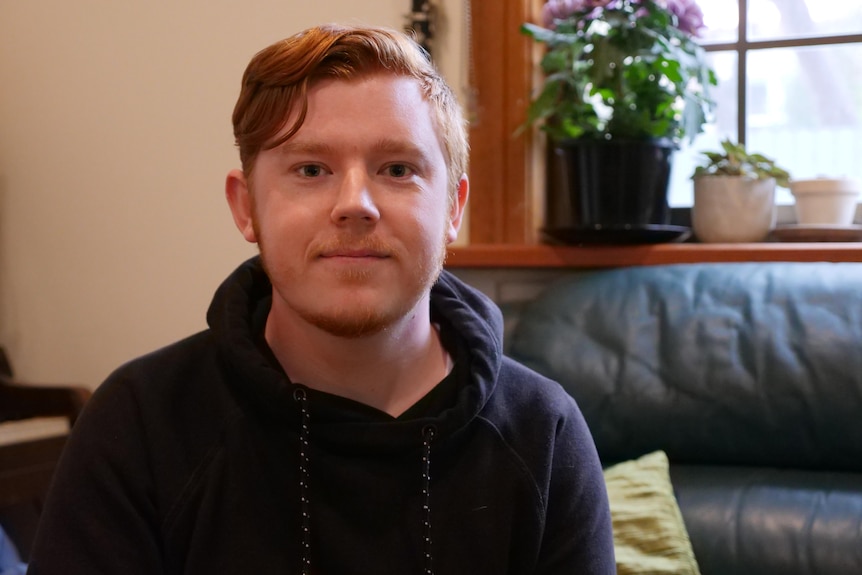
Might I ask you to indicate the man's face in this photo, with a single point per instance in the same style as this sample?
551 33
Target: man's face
352 214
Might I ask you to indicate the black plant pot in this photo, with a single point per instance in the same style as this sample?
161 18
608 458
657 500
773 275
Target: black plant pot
610 184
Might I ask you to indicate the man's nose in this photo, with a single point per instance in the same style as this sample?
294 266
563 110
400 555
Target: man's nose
355 200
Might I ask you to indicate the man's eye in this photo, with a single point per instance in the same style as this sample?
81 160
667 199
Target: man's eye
310 171
398 170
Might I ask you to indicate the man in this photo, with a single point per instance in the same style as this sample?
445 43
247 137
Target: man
349 409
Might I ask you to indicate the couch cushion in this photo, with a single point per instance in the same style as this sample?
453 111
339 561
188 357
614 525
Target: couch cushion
743 363
759 521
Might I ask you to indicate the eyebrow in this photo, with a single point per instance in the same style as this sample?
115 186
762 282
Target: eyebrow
393 146
383 145
314 148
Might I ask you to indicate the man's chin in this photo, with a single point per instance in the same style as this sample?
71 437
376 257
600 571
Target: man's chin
356 324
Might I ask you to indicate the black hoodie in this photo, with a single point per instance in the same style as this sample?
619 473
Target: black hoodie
203 458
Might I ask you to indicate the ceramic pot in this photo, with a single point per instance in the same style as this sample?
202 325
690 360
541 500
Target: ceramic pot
732 209
825 201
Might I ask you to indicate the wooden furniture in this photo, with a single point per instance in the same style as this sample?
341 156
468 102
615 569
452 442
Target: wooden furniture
28 458
550 256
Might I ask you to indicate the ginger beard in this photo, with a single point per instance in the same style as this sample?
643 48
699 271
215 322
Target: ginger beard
354 320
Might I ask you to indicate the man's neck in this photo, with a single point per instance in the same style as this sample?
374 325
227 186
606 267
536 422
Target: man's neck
390 370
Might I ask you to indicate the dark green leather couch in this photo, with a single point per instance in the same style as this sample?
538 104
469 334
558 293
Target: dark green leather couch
749 377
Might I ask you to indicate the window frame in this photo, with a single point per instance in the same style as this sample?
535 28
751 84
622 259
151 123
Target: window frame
501 71
743 45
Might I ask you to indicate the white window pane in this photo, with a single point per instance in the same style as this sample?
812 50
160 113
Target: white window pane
777 19
805 110
721 18
681 191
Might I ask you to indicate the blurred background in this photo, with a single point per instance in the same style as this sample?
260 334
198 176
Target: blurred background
115 138
790 87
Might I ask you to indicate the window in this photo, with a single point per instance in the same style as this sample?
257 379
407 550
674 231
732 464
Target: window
800 98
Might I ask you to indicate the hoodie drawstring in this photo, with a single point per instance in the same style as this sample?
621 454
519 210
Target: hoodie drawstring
304 430
428 433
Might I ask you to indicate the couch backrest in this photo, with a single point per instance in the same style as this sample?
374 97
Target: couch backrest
743 363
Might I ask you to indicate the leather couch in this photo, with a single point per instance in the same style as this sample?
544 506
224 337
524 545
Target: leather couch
749 377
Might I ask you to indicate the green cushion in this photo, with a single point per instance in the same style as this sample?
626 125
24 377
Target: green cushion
649 533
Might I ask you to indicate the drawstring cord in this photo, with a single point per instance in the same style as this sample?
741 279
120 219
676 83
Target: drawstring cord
428 433
300 396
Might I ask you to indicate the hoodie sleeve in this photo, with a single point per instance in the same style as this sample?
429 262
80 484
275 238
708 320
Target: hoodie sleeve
578 535
99 516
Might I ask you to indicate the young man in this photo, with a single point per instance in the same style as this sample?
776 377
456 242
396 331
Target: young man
349 409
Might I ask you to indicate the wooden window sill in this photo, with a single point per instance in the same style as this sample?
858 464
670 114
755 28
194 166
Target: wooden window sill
552 256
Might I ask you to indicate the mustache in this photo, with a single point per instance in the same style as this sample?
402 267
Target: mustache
369 245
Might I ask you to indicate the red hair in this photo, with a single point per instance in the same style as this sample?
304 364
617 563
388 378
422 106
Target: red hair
277 79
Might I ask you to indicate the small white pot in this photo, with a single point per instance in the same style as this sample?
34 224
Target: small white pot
825 201
733 209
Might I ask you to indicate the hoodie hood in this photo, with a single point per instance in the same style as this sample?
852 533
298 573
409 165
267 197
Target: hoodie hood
244 298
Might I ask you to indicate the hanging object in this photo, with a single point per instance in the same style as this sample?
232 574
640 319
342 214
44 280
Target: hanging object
420 22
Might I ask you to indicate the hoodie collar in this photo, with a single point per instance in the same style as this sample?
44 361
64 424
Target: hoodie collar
475 323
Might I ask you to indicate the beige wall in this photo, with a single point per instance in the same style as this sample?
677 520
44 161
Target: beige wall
114 141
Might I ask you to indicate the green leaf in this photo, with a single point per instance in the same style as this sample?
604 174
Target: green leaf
652 76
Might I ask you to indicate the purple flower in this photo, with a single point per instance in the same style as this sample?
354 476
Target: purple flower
559 10
688 15
555 10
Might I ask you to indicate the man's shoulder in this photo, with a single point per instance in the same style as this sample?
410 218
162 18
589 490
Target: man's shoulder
526 400
521 384
185 357
538 421
180 372
163 394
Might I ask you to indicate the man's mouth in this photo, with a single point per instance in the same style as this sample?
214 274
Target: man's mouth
354 253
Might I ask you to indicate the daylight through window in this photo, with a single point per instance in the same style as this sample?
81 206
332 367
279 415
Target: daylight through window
790 87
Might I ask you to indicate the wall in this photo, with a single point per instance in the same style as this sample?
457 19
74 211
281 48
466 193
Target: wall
115 138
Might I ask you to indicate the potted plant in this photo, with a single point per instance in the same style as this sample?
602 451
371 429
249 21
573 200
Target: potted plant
734 195
624 81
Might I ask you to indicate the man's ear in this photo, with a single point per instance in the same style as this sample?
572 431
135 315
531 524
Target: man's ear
241 204
457 213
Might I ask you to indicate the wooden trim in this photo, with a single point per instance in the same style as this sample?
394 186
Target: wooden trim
548 256
501 73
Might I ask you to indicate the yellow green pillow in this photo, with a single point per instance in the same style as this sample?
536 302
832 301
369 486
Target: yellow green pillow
649 533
